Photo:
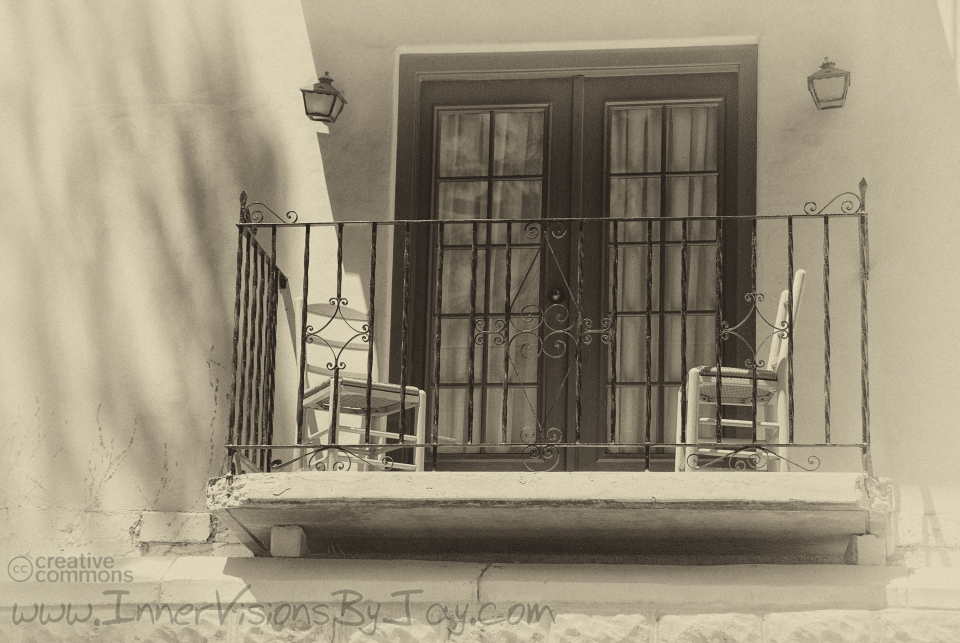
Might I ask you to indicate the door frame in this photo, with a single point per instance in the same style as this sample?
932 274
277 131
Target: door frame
417 68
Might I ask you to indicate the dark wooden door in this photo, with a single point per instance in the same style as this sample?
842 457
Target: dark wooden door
561 328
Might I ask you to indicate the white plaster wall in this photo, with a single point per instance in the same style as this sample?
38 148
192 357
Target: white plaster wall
900 129
128 130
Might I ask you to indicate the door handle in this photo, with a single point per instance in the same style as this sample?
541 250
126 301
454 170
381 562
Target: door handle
557 296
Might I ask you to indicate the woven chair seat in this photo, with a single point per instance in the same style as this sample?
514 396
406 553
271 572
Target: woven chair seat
734 391
743 373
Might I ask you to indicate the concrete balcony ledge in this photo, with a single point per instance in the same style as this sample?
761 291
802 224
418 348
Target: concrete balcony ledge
551 517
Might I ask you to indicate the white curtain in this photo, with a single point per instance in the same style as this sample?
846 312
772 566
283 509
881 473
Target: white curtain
679 167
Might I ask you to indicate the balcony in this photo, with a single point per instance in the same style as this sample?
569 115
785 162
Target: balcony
539 368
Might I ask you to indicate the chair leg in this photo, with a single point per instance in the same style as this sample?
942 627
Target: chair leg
678 457
693 414
783 429
418 456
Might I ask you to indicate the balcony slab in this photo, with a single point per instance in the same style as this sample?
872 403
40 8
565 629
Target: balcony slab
646 517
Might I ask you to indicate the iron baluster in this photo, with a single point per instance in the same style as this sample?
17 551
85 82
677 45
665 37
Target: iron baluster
244 344
648 410
272 350
304 331
337 364
864 353
791 334
754 363
405 323
826 328
719 324
371 316
580 327
506 330
473 325
615 286
231 424
256 425
666 124
438 329
683 330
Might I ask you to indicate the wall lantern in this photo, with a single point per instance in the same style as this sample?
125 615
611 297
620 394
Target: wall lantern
828 86
322 101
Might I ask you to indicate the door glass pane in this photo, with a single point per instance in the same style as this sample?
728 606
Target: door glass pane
632 278
631 426
458 272
634 197
701 343
453 413
518 143
521 366
632 349
692 196
455 351
524 282
692 139
701 278
515 200
635 139
464 144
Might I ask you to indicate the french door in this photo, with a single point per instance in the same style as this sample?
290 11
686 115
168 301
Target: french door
553 312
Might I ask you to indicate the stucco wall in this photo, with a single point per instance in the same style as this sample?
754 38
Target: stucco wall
128 131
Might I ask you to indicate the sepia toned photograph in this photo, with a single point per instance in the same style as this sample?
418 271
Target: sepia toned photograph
494 321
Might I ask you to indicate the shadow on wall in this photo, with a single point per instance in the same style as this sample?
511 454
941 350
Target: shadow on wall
120 253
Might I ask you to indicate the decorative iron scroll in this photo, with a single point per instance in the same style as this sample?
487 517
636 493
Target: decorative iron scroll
319 454
727 331
318 459
541 456
538 335
254 212
748 457
362 333
549 332
845 202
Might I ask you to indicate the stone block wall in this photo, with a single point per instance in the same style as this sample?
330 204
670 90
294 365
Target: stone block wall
229 600
323 622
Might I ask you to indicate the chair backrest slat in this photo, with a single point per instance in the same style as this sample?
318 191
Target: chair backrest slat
780 346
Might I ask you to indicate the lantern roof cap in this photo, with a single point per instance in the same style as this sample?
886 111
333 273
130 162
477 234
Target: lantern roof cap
828 69
324 85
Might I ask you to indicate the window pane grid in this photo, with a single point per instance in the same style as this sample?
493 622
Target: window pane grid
661 164
506 184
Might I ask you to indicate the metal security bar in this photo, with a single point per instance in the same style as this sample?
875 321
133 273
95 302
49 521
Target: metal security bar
556 344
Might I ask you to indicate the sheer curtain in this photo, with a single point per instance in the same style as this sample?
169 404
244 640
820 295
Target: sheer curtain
484 174
662 164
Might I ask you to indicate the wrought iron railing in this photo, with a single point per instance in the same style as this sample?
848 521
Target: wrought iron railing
551 343
259 281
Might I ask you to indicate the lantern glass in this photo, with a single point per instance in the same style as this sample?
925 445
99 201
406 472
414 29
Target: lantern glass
318 105
830 92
